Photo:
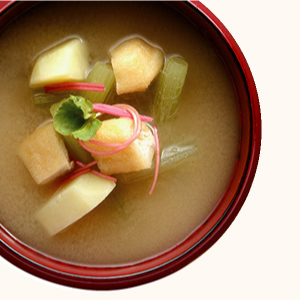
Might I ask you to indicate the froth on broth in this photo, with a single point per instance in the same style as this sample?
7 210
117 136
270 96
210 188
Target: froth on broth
130 225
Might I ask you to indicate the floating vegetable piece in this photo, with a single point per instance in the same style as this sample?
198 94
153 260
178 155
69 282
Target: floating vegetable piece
67 61
101 73
136 156
41 99
76 151
75 116
73 201
171 157
135 64
169 87
45 155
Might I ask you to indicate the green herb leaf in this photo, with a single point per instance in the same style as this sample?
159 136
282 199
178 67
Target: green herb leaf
85 106
54 107
88 130
75 116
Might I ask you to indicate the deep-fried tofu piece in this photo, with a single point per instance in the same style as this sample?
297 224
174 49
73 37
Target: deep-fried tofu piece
137 156
45 155
135 64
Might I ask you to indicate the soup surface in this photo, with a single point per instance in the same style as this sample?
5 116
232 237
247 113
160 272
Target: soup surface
130 225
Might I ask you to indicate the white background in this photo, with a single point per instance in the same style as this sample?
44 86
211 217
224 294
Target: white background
258 256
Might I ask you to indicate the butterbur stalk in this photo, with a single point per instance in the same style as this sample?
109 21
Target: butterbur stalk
171 157
169 87
77 152
101 73
41 99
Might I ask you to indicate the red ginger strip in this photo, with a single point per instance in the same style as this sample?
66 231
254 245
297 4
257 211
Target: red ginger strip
118 147
116 110
79 86
157 159
82 165
89 165
72 176
83 170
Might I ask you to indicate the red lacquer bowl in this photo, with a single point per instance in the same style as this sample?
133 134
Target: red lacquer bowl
97 277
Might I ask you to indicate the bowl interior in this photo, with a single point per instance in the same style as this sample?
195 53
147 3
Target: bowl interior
205 235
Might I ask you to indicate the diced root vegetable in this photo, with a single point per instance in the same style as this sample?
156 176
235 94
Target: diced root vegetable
67 61
73 201
135 64
169 87
101 73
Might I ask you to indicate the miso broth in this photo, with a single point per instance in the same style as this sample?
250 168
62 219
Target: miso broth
130 225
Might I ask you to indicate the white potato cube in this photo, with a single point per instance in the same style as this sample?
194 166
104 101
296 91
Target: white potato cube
45 155
68 61
135 63
137 156
72 201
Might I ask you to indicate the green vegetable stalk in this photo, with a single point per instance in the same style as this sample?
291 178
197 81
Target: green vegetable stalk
101 73
171 157
169 87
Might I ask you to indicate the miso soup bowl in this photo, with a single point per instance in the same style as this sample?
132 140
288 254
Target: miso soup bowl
194 245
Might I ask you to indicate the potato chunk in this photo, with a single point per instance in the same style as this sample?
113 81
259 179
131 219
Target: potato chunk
135 63
45 155
137 156
67 61
72 201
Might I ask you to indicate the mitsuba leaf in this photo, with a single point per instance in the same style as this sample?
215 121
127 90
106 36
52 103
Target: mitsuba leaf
85 106
88 130
75 115
54 107
68 118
